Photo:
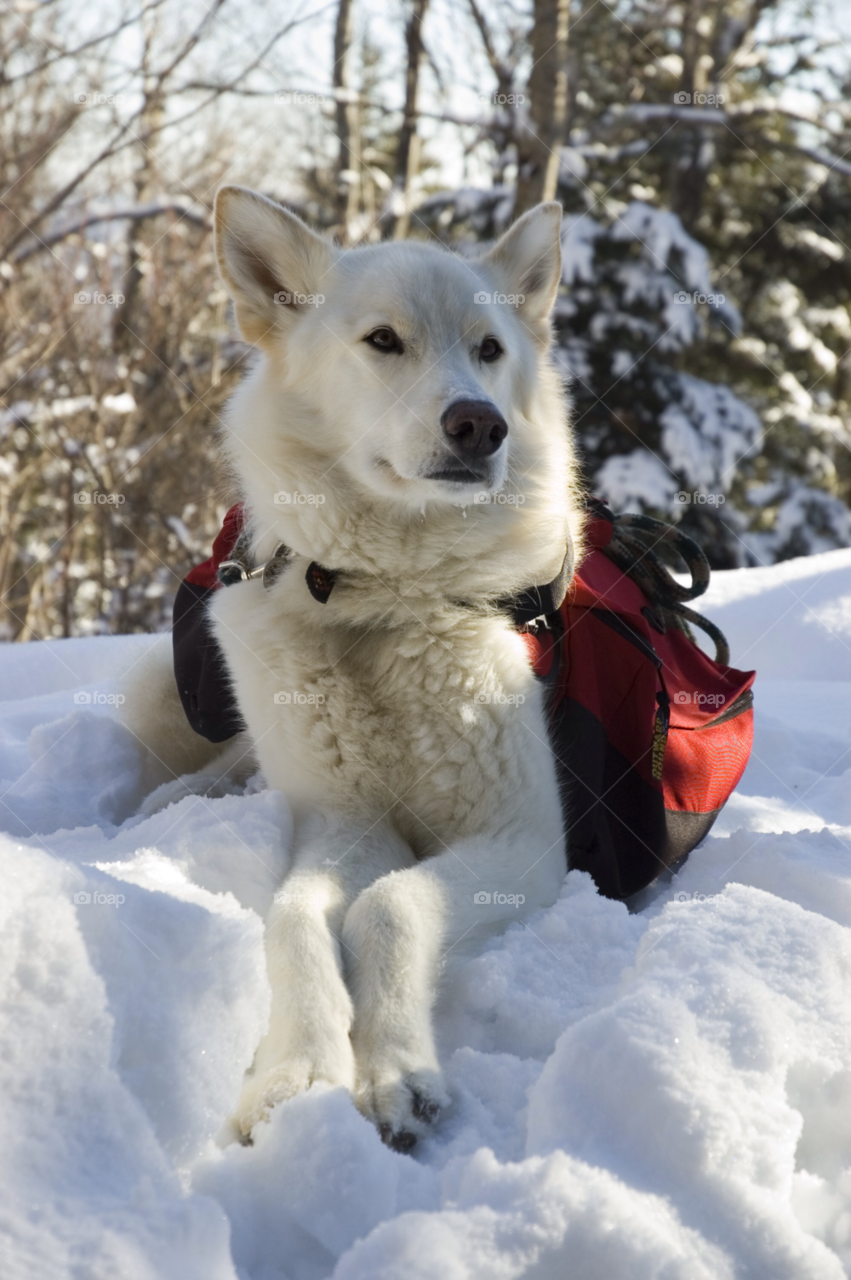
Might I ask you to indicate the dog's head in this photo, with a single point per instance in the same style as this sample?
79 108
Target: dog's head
408 371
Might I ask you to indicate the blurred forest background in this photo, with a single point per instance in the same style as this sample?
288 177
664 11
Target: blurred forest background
701 150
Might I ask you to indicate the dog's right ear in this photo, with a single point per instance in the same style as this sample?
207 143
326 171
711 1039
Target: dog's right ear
526 262
271 262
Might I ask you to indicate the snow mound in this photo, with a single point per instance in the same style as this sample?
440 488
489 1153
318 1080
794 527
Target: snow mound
658 1092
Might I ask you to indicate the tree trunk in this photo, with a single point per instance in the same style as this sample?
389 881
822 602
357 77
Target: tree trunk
348 126
538 153
144 184
694 149
408 149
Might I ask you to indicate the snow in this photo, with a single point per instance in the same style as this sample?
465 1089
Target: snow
708 433
663 1092
579 234
627 481
663 237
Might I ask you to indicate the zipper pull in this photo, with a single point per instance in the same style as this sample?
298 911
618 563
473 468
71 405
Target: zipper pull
660 733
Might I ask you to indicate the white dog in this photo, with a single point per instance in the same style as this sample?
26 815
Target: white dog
403 428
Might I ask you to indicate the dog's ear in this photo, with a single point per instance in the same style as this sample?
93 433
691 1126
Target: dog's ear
526 262
270 261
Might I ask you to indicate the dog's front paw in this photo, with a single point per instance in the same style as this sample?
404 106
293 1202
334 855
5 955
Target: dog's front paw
264 1089
404 1107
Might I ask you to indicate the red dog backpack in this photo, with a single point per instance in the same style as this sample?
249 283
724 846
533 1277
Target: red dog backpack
650 736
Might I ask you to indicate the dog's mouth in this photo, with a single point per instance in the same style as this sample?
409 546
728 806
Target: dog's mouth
458 475
451 472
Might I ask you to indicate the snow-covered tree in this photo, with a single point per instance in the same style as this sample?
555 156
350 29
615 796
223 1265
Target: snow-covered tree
638 298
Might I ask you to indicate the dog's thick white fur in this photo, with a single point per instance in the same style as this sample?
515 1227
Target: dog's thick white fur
410 739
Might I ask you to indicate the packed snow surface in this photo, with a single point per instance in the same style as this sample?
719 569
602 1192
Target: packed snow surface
663 1092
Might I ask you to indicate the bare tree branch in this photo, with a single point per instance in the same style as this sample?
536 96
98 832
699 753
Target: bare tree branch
734 118
65 54
132 212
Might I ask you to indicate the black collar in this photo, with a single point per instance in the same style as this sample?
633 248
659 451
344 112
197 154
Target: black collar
525 607
532 603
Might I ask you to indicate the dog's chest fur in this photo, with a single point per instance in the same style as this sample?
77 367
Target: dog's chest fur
435 721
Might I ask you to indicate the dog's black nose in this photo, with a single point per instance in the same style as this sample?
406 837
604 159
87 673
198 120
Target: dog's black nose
474 428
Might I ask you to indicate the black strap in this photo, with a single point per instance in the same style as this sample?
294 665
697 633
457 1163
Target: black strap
631 548
622 627
537 602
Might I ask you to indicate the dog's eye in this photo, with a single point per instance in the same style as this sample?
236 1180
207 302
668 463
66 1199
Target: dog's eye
385 339
490 350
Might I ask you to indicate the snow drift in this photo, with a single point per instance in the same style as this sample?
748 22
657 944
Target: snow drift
659 1093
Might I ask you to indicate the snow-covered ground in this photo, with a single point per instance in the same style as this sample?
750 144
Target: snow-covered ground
662 1094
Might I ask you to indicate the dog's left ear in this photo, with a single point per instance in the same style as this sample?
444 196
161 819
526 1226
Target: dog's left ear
526 262
272 263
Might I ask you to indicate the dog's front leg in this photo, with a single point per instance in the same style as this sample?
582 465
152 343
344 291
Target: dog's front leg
401 930
311 1014
395 932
